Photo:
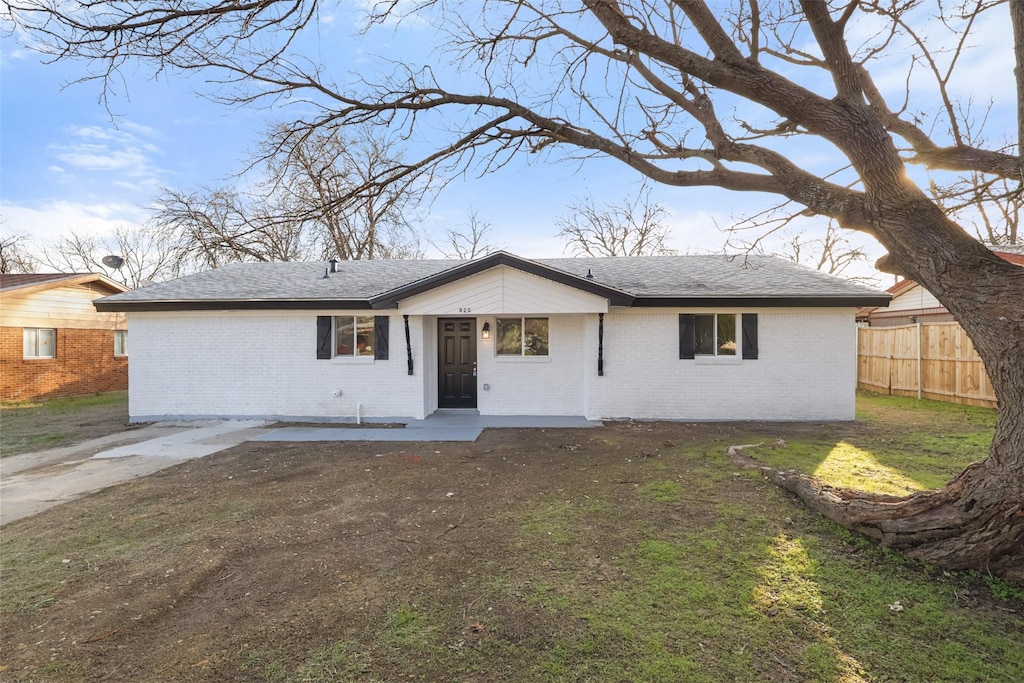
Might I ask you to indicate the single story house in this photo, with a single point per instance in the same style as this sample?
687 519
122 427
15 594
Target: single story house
654 337
53 342
912 303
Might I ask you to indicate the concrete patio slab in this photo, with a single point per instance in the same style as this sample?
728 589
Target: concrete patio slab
456 418
356 434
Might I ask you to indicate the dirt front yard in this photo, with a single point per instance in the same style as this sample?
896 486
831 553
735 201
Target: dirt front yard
632 552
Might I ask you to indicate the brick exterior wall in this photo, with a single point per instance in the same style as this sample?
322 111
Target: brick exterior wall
238 364
85 364
233 364
806 368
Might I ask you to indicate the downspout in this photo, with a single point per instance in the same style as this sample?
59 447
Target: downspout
408 344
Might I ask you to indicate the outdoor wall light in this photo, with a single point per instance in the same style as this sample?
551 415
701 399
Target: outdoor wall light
485 333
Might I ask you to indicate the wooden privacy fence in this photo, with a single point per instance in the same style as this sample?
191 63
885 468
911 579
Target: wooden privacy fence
929 360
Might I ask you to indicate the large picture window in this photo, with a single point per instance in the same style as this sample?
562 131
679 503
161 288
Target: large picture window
522 336
39 343
353 335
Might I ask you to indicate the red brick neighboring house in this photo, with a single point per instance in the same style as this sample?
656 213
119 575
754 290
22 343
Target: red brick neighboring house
913 303
53 342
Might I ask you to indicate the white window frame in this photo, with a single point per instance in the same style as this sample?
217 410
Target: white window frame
522 336
367 320
737 335
121 349
33 352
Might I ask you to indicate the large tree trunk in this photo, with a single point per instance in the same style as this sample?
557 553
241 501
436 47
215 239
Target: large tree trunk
974 522
977 520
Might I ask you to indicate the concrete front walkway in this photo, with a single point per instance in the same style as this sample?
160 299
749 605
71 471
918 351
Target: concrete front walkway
33 482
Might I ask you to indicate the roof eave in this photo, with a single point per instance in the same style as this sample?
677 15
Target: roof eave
231 305
764 301
69 281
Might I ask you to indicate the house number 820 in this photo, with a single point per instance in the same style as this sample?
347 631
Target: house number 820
465 309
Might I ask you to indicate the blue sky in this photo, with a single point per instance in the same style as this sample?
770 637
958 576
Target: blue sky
69 163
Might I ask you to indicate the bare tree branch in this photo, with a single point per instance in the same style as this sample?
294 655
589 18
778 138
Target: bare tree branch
467 241
631 227
14 257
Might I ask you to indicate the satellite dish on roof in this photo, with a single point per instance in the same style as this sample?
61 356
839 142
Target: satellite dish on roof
113 261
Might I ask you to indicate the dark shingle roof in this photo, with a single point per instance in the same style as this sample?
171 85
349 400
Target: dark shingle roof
292 284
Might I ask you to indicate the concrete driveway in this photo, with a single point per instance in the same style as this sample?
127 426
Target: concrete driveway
33 482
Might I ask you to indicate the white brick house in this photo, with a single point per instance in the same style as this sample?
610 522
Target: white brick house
660 337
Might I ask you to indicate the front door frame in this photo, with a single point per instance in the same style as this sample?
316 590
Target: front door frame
456 363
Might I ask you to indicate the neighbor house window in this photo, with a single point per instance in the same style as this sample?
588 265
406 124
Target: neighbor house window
718 334
40 343
353 335
522 336
120 342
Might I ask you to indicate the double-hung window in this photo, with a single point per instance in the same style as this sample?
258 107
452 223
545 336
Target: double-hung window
715 334
120 342
353 335
728 335
39 342
522 336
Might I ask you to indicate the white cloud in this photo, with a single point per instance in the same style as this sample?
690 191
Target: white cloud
49 221
107 149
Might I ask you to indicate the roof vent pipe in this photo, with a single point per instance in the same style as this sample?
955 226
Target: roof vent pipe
590 275
334 265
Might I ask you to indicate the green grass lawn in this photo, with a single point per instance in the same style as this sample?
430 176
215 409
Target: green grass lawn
899 445
638 554
35 425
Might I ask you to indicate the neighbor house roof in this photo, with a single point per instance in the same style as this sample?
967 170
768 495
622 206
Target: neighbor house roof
25 283
624 281
1012 253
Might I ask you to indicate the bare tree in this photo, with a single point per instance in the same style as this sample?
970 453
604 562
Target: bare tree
466 241
14 257
631 227
146 256
213 227
686 93
327 180
317 198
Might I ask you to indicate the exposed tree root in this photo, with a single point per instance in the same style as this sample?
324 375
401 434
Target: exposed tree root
956 527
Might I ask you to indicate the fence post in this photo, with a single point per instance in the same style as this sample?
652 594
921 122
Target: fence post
920 383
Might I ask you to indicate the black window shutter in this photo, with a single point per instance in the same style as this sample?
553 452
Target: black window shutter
750 336
323 336
686 335
381 325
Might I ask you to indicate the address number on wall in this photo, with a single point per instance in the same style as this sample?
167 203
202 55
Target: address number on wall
465 309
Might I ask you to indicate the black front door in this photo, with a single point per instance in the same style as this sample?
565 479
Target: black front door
456 363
